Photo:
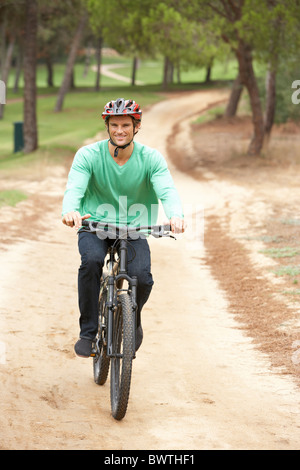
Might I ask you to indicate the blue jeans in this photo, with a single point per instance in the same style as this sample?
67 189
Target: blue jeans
93 251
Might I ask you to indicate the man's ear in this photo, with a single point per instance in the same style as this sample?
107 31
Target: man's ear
137 127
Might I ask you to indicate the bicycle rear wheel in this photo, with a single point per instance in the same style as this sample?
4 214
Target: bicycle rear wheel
123 354
100 360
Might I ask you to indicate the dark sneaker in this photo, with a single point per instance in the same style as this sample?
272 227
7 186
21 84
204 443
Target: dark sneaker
138 337
84 347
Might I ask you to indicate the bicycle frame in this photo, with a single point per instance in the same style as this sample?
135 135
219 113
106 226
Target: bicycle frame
117 271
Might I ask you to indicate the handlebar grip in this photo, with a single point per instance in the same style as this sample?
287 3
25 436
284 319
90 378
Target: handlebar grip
90 224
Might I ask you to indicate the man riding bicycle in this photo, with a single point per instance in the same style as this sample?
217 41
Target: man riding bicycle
116 181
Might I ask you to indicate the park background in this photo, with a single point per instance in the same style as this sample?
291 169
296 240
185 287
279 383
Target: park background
58 49
218 83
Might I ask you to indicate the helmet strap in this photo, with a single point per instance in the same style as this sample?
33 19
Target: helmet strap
116 151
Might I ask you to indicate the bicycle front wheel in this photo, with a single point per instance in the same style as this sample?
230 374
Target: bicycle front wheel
122 356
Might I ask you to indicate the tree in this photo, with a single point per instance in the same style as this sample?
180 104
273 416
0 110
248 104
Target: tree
53 34
276 26
6 66
149 28
249 28
226 19
181 41
30 49
10 19
119 24
232 105
167 34
99 43
66 83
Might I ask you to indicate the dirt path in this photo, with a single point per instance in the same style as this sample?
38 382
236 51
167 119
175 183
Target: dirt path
199 382
107 70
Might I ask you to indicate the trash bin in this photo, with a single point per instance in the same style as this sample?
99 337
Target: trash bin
18 136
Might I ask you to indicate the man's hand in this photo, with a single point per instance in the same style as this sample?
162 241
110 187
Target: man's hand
74 219
177 225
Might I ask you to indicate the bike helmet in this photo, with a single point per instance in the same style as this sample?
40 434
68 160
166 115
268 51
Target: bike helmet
121 107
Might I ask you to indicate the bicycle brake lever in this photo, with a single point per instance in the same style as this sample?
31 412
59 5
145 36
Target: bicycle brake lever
161 234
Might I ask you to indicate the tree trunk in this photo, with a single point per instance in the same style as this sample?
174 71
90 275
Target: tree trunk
49 66
234 99
270 102
6 68
248 79
7 62
166 73
271 82
178 73
72 84
30 52
19 66
87 61
66 83
134 68
171 73
2 37
208 71
98 60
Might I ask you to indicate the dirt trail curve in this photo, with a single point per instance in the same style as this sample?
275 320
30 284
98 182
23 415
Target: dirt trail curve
107 70
198 382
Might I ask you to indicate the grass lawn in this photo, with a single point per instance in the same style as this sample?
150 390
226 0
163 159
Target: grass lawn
11 197
80 119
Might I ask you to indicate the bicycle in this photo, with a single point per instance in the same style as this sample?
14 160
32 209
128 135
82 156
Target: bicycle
115 343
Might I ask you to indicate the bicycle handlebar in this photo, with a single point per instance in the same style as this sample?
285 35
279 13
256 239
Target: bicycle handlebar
156 231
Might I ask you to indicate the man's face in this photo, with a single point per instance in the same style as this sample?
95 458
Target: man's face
121 129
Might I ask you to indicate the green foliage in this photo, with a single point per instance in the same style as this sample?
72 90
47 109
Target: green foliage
151 28
57 22
271 28
176 32
118 22
167 31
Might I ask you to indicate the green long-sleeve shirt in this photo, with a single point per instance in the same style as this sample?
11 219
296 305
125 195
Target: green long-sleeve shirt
127 194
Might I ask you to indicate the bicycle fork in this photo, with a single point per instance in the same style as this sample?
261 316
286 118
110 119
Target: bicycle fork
112 304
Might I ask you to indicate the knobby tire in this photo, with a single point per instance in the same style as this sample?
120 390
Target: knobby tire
123 346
